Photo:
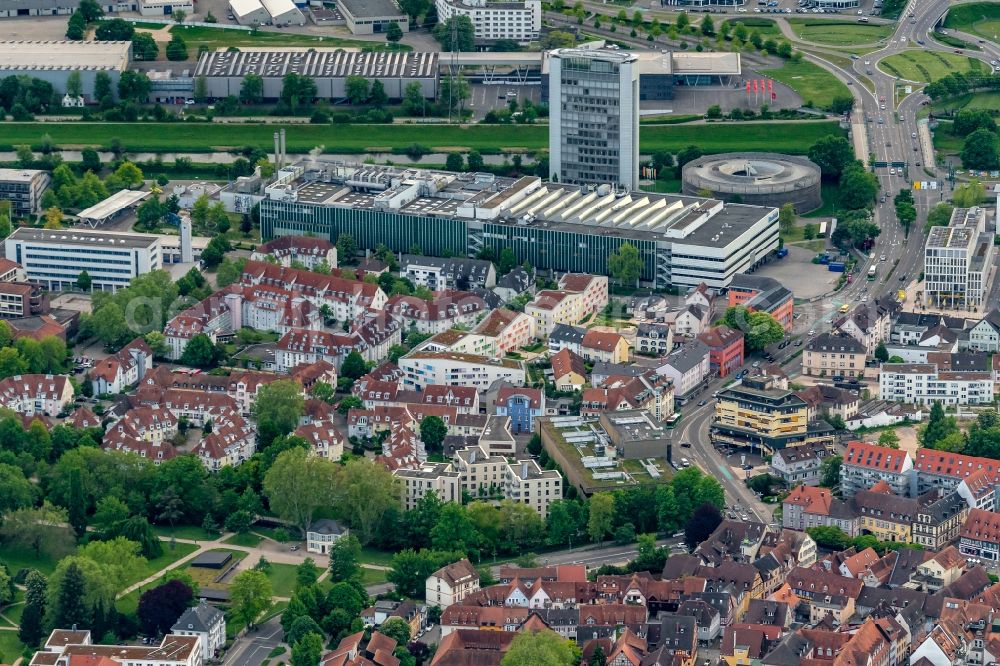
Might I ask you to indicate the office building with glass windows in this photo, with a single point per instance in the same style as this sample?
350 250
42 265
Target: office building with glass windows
55 258
594 117
682 240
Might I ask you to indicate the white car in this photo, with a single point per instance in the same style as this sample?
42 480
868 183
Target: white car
882 258
868 62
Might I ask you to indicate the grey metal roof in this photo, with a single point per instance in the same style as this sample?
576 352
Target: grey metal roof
200 618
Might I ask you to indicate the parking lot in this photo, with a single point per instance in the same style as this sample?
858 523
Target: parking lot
486 97
864 8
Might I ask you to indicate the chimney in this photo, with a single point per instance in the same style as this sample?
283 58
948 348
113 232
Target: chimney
283 148
524 470
277 151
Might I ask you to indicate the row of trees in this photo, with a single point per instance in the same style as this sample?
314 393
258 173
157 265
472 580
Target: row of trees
27 355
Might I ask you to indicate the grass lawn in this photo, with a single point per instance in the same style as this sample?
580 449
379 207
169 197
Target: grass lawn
16 609
247 540
984 100
830 193
920 65
10 647
282 577
666 186
372 576
214 38
981 19
170 555
837 33
793 137
271 532
816 86
19 558
372 556
185 532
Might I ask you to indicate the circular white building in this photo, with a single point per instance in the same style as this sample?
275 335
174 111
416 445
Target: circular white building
761 179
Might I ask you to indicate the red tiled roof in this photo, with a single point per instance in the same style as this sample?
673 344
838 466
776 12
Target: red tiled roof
872 456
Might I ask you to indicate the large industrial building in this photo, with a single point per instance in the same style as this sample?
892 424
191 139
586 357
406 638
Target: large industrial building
54 61
594 129
12 8
520 21
683 241
329 68
55 258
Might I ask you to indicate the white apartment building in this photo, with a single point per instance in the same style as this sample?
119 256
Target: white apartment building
519 21
451 584
522 481
924 384
985 335
440 478
423 368
594 126
55 258
958 261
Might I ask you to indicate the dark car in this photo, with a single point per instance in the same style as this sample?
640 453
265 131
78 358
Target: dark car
685 445
902 278
702 403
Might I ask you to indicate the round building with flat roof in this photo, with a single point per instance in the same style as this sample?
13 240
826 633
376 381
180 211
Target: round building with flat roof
760 179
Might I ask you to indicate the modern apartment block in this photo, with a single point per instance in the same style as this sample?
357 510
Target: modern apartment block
23 188
958 261
594 117
926 383
55 258
519 21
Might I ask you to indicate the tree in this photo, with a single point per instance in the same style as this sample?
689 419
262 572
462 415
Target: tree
83 281
32 626
701 524
128 175
682 21
597 657
239 522
278 408
829 537
250 596
53 218
307 650
344 555
829 471
831 153
858 187
353 366
307 573
347 249
454 162
397 629
968 195
297 90
540 648
77 510
939 428
686 155
115 30
456 34
760 328
625 265
378 96
160 606
601 520
298 484
410 568
134 86
70 609
786 217
102 86
366 492
393 33
432 433
252 89
200 352
16 491
981 150
348 403
889 439
475 160
881 353
453 94
144 47
178 15
77 27
939 215
39 529
968 121
356 88
707 26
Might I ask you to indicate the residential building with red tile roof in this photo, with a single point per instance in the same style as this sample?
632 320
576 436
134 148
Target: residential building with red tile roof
521 405
980 536
326 440
977 489
29 395
811 506
309 251
122 369
568 370
649 391
606 346
509 330
866 464
725 349
83 417
468 647
451 584
439 314
145 431
593 289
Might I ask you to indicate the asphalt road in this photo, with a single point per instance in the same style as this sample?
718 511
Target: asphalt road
252 649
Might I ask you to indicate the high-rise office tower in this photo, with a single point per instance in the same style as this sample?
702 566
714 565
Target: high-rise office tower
594 117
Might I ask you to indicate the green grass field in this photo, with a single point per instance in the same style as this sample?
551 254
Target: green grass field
837 33
10 647
184 531
170 555
981 19
282 577
984 100
372 556
19 558
215 38
927 66
816 86
780 136
247 540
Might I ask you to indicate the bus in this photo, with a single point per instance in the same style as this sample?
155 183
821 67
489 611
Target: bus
845 308
871 273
